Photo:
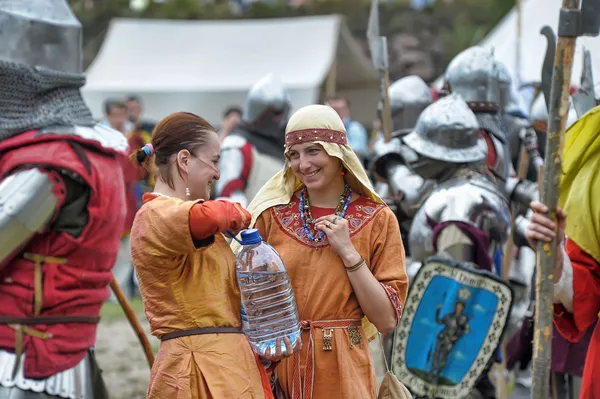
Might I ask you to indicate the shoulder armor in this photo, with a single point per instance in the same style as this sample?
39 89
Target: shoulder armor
106 137
385 155
27 203
233 141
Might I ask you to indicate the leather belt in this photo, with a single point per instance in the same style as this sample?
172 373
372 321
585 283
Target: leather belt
200 331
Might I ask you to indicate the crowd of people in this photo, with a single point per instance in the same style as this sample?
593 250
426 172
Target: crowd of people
355 219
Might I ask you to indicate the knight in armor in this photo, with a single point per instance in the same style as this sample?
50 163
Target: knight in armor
395 181
475 75
252 153
466 217
62 207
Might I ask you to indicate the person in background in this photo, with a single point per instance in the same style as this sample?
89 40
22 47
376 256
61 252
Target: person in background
115 113
140 135
357 134
186 270
115 116
251 154
231 118
134 114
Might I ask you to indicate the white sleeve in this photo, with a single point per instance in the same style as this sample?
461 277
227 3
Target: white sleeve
563 290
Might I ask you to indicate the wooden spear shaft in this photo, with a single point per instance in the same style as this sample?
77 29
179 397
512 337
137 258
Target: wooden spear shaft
135 323
558 110
518 44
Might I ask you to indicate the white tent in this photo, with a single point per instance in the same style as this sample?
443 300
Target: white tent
206 66
534 15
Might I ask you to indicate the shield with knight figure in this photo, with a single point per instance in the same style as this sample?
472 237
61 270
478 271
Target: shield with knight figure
452 324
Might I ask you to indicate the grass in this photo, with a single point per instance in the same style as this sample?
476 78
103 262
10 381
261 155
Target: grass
112 311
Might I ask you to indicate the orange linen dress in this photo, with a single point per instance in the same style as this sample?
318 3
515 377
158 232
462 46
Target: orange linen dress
324 295
187 284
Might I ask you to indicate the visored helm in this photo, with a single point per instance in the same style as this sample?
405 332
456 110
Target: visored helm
40 33
267 106
409 96
473 74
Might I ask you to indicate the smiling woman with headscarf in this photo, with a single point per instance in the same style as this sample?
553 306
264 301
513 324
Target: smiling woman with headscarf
344 255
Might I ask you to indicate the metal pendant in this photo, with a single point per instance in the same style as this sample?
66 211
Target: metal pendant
355 337
328 339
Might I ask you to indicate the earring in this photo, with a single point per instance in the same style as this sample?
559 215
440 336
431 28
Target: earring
342 172
187 191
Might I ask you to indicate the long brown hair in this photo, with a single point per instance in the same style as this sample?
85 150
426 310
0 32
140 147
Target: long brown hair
176 132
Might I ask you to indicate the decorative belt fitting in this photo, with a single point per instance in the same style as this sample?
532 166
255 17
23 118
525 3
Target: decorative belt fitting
328 339
354 334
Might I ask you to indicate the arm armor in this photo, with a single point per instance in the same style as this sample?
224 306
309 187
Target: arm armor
28 201
523 192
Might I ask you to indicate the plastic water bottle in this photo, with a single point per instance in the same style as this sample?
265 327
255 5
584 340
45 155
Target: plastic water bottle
268 304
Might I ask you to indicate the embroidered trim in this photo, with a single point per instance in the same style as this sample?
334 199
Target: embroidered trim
393 297
288 219
308 135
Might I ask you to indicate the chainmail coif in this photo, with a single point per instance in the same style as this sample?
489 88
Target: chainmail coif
32 98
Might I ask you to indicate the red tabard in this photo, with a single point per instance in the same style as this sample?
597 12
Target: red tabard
586 305
80 286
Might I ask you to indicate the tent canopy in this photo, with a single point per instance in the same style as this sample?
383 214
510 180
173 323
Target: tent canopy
534 15
207 66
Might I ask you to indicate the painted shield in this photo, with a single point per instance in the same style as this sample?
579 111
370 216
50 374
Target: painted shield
452 324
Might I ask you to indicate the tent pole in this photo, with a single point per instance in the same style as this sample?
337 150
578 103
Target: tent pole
330 83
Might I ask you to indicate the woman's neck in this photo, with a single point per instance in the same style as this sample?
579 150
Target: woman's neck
163 188
329 197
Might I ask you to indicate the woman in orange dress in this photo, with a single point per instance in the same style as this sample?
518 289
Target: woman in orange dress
186 270
343 252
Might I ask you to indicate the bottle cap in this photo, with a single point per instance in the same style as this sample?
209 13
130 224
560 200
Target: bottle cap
250 237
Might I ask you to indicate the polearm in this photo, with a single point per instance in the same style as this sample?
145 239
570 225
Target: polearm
379 56
572 23
519 12
135 323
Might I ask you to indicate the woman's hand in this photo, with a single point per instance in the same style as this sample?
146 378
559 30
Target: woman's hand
338 234
544 229
289 350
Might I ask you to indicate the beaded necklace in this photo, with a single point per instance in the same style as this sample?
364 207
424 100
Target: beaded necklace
306 214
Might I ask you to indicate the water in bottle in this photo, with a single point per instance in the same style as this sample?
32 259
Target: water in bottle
268 304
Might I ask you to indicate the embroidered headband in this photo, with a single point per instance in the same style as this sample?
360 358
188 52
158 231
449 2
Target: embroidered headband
309 135
148 149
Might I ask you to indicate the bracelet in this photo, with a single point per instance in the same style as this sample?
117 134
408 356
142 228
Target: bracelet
356 266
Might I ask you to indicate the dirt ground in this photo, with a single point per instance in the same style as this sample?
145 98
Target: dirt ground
120 355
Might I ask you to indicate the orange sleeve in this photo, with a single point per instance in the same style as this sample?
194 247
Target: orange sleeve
586 295
212 217
388 262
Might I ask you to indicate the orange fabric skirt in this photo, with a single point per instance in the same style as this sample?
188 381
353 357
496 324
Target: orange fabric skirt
208 366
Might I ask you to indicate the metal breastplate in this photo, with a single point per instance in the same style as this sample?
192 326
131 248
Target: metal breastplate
469 199
74 383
